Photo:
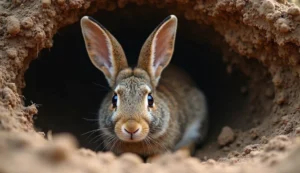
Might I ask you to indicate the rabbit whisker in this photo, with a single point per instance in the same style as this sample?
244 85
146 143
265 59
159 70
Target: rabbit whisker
109 138
98 136
109 141
157 143
90 132
103 86
114 143
87 119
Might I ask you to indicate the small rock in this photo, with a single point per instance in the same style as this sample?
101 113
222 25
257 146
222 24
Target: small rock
293 11
46 3
284 28
40 36
267 7
211 161
27 23
226 136
13 25
12 53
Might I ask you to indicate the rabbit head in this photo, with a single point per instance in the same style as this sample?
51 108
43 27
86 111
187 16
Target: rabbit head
133 110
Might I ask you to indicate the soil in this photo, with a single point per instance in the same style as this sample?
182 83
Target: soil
249 72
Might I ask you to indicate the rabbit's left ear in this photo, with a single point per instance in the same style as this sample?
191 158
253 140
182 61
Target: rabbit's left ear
158 49
104 50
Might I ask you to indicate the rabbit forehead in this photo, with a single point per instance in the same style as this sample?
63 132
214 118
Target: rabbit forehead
131 76
132 86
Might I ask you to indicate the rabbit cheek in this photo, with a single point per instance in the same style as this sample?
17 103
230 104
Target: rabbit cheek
159 124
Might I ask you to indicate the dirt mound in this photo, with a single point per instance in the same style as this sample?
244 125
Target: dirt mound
251 82
61 154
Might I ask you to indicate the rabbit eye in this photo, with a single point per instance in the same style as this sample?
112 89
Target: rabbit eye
150 100
114 100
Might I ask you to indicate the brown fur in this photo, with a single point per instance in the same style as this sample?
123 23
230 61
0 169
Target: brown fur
177 101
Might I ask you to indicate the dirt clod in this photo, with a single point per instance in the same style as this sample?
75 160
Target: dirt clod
294 11
46 3
27 23
226 136
13 25
12 52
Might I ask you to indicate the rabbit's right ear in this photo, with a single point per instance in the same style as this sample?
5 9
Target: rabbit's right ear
103 49
158 49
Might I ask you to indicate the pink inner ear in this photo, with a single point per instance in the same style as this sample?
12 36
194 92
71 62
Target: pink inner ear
163 45
98 46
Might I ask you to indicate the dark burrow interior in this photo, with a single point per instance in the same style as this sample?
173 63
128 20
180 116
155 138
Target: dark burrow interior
69 89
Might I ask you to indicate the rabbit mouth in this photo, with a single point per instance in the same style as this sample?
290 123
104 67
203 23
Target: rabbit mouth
131 130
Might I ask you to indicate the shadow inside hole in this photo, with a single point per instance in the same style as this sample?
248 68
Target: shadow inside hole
70 89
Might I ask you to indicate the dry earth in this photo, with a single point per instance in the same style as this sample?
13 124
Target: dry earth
258 38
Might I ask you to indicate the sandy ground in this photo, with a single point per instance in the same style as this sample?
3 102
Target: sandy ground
259 38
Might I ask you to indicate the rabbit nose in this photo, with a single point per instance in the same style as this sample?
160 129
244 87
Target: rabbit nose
131 127
131 132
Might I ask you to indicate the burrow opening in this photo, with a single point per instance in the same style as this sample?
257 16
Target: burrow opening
69 89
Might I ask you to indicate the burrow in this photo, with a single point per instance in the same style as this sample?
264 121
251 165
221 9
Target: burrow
248 86
69 89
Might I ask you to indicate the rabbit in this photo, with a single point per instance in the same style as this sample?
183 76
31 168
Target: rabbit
153 108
